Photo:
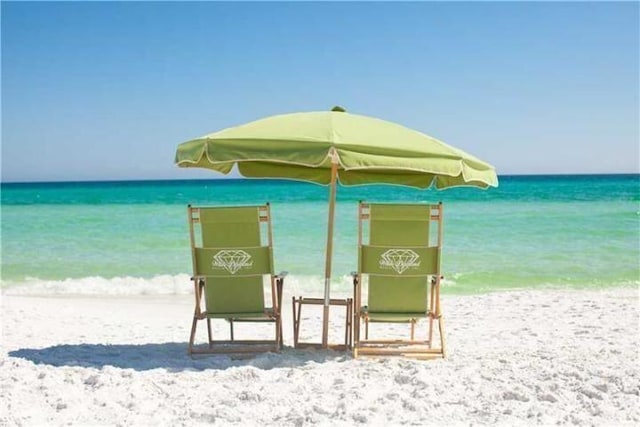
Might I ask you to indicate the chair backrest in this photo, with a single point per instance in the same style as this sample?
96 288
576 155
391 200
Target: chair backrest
399 258
228 254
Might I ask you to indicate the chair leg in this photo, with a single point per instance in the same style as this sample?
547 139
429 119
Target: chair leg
359 319
279 318
430 331
353 326
209 332
295 322
432 310
350 322
278 333
231 329
442 340
356 330
298 320
346 326
366 328
193 334
355 341
277 307
281 333
413 329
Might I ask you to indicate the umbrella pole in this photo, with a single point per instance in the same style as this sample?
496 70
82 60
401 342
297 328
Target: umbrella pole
327 266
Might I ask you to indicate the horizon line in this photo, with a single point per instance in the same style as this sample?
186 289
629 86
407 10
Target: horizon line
96 181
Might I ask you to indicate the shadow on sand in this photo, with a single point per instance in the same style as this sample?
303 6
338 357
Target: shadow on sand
170 356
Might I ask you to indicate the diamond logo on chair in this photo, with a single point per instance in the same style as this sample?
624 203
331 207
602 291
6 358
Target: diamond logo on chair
232 260
399 260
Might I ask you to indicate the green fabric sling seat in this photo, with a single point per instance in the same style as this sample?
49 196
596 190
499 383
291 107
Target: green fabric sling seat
230 264
401 263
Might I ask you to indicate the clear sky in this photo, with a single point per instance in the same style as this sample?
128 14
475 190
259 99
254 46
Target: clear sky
94 91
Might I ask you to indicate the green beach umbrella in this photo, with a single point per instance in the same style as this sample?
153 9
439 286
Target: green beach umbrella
335 146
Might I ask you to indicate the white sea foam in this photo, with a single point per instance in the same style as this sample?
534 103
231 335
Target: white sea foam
158 285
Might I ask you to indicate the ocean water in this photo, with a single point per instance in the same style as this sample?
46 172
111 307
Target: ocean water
132 237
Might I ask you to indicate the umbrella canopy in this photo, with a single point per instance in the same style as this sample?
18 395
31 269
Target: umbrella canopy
368 150
331 146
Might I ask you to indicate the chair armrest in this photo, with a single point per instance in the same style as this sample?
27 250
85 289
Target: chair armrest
281 275
354 275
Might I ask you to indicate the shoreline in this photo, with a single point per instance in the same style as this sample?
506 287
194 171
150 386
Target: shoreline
166 285
515 358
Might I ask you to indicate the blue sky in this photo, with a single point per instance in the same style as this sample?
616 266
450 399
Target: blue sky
94 91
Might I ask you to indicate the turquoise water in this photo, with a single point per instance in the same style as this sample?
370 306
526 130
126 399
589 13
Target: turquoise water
532 231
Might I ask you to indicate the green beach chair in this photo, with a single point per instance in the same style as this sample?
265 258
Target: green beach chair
401 263
230 267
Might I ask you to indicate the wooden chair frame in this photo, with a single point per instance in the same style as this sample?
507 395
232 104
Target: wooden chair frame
412 348
233 346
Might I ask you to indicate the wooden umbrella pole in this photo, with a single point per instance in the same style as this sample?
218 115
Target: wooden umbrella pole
327 266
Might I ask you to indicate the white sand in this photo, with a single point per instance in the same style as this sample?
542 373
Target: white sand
516 358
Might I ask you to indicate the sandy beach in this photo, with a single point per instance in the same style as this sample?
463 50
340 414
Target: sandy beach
515 358
490 145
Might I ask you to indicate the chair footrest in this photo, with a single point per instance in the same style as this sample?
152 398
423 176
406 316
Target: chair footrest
236 316
417 356
417 352
396 342
337 347
238 348
403 320
320 301
241 342
378 317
